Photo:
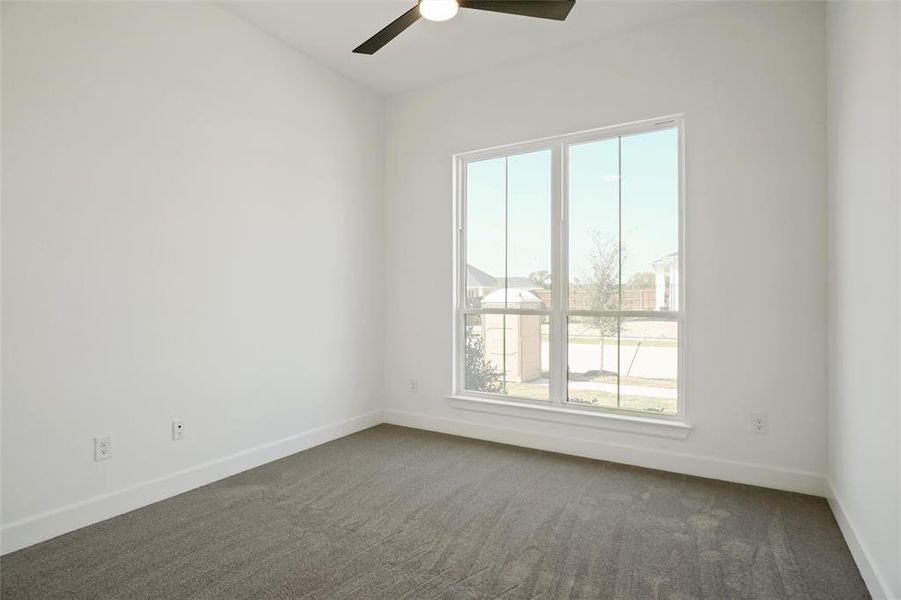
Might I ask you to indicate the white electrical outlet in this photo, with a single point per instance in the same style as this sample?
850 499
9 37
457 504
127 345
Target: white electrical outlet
103 448
758 424
178 430
414 386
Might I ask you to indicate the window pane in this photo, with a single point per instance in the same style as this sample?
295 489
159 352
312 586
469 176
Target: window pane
621 249
650 226
649 360
481 374
529 224
528 365
507 354
594 225
485 226
640 373
593 358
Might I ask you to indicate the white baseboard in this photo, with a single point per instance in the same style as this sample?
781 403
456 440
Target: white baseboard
677 462
876 582
37 528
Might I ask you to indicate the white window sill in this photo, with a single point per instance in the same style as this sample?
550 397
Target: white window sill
575 416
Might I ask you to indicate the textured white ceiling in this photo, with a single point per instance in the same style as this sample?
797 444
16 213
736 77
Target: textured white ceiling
430 52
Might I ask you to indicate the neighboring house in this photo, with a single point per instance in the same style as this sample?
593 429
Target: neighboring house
666 282
663 296
478 282
524 283
513 342
520 283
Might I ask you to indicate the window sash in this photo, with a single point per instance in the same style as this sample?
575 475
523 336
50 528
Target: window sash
559 314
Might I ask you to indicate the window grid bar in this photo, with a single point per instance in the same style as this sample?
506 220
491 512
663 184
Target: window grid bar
458 382
556 366
657 315
507 311
619 262
563 305
506 266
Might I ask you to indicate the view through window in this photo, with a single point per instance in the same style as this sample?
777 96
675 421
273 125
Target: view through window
569 271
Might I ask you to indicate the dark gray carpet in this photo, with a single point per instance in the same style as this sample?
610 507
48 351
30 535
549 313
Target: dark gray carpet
398 513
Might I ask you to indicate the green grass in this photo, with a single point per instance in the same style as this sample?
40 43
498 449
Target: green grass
655 383
596 341
665 406
535 391
532 391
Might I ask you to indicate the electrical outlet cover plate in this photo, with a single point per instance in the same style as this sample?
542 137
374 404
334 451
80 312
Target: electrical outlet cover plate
178 430
103 448
758 424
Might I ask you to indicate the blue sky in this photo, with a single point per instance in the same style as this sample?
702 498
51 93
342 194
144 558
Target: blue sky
650 197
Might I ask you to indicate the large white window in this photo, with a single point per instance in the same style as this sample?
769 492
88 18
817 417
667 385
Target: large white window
569 270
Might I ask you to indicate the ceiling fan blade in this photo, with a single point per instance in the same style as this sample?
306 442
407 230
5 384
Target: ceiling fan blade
390 32
543 9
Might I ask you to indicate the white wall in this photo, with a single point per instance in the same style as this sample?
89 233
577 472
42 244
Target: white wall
192 227
863 121
750 79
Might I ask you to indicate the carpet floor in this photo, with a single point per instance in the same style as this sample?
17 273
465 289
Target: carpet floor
398 513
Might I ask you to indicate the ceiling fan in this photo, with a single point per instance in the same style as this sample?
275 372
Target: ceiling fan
442 10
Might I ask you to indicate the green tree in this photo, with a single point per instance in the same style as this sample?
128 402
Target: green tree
541 278
641 281
481 376
602 286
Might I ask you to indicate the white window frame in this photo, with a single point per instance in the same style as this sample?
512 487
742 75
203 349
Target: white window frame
558 408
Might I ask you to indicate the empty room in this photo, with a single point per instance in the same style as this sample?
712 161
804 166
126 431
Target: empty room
459 299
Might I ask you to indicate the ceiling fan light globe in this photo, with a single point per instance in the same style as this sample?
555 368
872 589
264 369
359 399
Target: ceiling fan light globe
438 10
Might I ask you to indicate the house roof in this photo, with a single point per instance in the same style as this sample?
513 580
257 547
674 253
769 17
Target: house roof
669 258
476 278
511 296
518 282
